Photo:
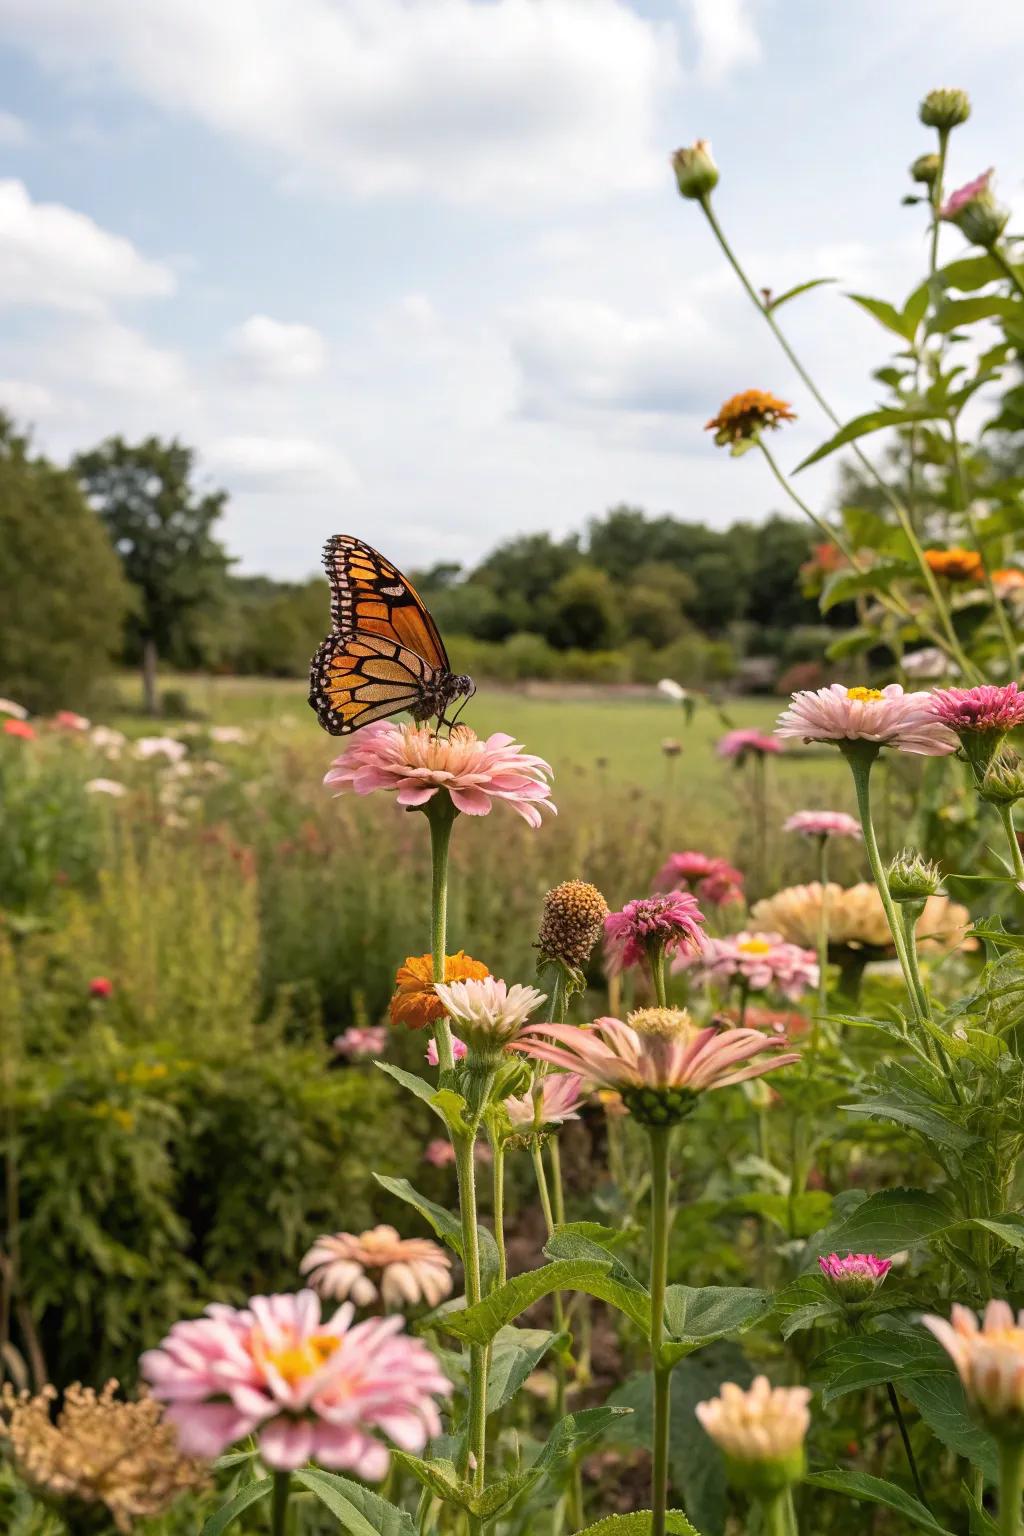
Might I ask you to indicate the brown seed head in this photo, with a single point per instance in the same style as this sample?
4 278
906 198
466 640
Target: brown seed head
572 922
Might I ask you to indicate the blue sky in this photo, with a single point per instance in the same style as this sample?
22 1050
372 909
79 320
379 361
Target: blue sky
418 271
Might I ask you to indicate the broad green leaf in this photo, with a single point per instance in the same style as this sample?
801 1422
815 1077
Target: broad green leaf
359 1510
639 1524
854 642
957 312
842 586
804 1303
860 1486
697 1315
918 1115
941 1403
1009 1228
447 1226
872 421
888 1222
871 1359
514 1354
915 309
803 1214
479 1324
886 314
446 1104
969 272
573 1242
793 293
440 1477
244 1499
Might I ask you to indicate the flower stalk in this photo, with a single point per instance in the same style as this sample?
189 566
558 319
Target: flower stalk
661 1220
1016 857
1011 1485
441 814
279 1503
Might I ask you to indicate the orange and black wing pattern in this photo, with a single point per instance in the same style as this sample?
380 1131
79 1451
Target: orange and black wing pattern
370 596
355 679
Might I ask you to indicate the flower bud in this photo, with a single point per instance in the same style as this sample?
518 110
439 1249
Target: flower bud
945 109
911 877
925 169
856 1277
975 212
761 1433
1003 783
696 172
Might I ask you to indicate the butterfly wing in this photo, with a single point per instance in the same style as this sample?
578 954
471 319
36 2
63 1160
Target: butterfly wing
357 678
370 596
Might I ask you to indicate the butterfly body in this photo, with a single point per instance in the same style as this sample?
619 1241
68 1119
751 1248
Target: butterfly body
385 654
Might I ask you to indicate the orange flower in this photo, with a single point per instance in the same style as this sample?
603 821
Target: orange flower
1008 581
955 563
745 415
415 1003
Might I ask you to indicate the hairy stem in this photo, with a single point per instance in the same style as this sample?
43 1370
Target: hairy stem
476 1444
661 1220
441 814
1017 859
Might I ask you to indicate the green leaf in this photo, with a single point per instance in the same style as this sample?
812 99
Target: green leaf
860 1486
639 1524
804 1303
792 293
957 312
447 1227
804 1213
915 309
244 1499
446 1104
515 1353
872 1359
359 1510
886 314
440 1477
860 426
888 1222
941 1403
576 1242
982 1523
918 1115
1009 1228
697 1315
479 1324
969 273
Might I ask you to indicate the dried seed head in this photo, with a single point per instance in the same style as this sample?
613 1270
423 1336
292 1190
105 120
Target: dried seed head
572 922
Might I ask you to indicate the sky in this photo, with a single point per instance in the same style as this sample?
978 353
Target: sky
417 269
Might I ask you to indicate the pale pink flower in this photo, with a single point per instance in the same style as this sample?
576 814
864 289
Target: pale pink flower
358 1267
112 787
737 744
306 1388
16 711
823 824
415 763
67 720
489 1013
887 716
553 1100
459 1050
984 708
990 1360
660 1048
359 1041
161 746
439 1153
765 1423
958 200
758 960
857 1276
714 881
664 922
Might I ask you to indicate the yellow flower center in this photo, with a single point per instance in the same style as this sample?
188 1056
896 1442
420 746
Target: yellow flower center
668 1023
754 947
1004 1338
863 695
297 1361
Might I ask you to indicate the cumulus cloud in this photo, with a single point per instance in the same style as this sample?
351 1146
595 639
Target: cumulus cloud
53 257
506 102
266 463
726 36
275 350
26 401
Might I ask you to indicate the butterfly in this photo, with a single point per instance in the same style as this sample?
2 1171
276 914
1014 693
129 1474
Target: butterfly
384 653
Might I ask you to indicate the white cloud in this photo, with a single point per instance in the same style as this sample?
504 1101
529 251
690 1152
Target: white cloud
26 401
267 463
276 350
53 257
509 102
13 130
726 36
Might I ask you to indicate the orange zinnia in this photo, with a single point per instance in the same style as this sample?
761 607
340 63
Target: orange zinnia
415 1003
955 563
746 414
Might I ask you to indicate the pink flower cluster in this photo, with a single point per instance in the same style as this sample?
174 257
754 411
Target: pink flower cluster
984 708
823 824
738 744
306 1388
416 764
361 1041
761 961
887 716
669 921
714 881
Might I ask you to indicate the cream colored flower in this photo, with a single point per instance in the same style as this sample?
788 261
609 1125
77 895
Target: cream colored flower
765 1424
407 1270
856 918
990 1359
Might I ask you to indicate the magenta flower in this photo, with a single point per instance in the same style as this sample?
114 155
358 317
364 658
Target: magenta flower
823 824
760 961
307 1388
984 708
957 201
650 924
738 744
553 1100
415 763
361 1041
459 1050
857 1276
714 881
886 716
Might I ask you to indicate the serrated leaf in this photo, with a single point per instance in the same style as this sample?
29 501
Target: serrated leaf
871 421
639 1524
793 293
861 1486
1009 1228
872 1359
479 1324
888 1222
446 1225
440 1476
917 1115
941 1403
244 1499
697 1315
514 1354
359 1511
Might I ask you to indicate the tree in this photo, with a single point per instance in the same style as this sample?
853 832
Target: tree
63 598
161 526
522 573
585 612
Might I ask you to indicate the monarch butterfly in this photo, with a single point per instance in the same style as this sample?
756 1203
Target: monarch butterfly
384 653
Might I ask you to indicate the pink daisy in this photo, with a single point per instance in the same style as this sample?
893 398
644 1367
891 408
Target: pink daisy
887 716
553 1100
715 882
984 708
306 1388
759 961
737 744
823 824
649 924
413 762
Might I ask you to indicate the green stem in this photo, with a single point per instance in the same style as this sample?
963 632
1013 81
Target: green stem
476 1445
901 1422
661 1221
656 956
933 255
441 814
778 1516
905 520
1011 1486
822 951
1011 271
964 506
1006 817
279 1503
557 1301
498 1188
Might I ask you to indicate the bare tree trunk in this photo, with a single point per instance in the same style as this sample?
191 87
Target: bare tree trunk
150 701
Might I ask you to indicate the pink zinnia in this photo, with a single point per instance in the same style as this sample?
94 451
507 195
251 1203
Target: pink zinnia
101 986
738 743
459 1050
823 824
360 1041
415 763
886 716
984 708
20 728
715 881
359 1267
957 201
652 923
554 1099
857 1276
760 961
308 1389
67 720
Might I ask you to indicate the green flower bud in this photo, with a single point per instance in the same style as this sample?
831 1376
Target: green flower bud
912 878
945 109
763 1479
982 220
925 169
1003 783
696 172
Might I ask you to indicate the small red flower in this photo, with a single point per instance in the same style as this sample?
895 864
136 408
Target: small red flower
101 986
20 728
